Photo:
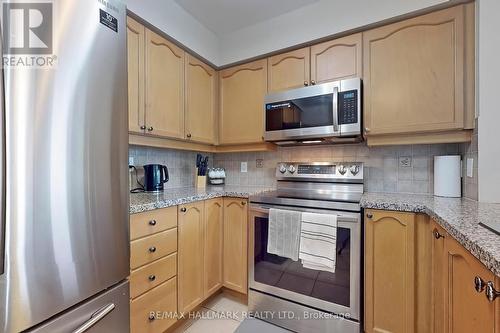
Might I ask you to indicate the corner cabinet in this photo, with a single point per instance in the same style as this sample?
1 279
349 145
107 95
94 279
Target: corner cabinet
242 90
135 58
459 282
164 87
418 80
190 254
213 245
201 84
389 271
235 244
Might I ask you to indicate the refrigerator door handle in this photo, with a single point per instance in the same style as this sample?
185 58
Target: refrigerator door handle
3 177
95 318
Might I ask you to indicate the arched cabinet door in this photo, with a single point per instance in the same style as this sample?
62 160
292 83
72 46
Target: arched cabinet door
190 255
289 70
135 57
235 244
213 245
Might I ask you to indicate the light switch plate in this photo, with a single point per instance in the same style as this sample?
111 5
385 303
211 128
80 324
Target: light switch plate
244 166
130 160
470 167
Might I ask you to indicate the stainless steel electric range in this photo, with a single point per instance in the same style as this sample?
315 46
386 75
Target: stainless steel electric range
283 292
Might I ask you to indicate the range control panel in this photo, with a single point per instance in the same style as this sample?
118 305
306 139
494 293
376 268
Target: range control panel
320 170
348 107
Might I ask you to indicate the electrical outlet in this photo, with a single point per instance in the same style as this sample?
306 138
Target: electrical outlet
130 160
405 161
470 167
259 163
244 166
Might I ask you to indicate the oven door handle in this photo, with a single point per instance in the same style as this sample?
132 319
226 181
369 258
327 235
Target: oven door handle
347 218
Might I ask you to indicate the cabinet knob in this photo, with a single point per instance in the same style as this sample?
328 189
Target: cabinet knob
479 284
152 249
152 222
188 135
152 278
367 129
436 234
306 83
370 216
313 82
150 129
243 203
151 317
143 127
183 209
491 293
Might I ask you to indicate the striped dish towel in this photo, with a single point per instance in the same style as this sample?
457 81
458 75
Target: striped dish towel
318 241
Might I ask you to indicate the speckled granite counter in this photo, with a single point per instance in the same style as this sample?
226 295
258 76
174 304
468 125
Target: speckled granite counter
142 202
459 217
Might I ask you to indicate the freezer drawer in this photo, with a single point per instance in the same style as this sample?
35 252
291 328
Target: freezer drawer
109 311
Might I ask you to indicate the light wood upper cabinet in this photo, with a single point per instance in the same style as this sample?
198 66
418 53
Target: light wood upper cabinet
201 83
389 271
414 75
235 244
135 57
190 256
213 242
289 70
241 91
164 87
337 59
458 307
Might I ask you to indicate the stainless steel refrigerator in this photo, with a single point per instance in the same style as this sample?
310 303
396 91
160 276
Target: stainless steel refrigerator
64 201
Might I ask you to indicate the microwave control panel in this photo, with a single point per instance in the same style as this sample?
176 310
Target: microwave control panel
348 107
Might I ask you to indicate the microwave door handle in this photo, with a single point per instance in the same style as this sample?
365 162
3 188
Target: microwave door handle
335 110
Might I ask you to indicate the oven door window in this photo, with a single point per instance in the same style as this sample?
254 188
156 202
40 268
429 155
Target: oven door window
287 274
300 113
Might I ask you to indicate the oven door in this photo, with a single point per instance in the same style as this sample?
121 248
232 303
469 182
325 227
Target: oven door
337 292
310 112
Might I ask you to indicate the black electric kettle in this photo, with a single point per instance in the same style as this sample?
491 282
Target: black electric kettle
155 175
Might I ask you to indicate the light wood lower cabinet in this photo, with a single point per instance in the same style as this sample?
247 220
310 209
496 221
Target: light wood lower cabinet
148 249
389 271
235 244
190 275
213 245
149 312
241 96
458 306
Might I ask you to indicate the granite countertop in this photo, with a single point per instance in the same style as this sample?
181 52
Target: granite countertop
142 202
459 217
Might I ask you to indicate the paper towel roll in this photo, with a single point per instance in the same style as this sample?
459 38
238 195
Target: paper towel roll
447 176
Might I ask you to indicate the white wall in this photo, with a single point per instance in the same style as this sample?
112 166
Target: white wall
321 19
172 19
489 104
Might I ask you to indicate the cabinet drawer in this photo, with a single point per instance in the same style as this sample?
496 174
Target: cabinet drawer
152 275
161 300
147 223
151 248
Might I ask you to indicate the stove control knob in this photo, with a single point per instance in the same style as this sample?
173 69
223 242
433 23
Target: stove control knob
354 169
282 168
342 170
291 169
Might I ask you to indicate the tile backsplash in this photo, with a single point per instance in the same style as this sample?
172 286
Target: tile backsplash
405 169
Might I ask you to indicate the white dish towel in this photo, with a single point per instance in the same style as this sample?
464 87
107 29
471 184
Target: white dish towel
318 241
284 233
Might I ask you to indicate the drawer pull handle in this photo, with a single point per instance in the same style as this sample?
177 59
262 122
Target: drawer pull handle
152 222
479 284
183 209
152 278
491 293
152 249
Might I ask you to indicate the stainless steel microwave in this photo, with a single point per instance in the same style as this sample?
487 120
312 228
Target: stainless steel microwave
323 113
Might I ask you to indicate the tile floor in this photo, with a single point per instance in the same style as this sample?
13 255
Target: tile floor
222 314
